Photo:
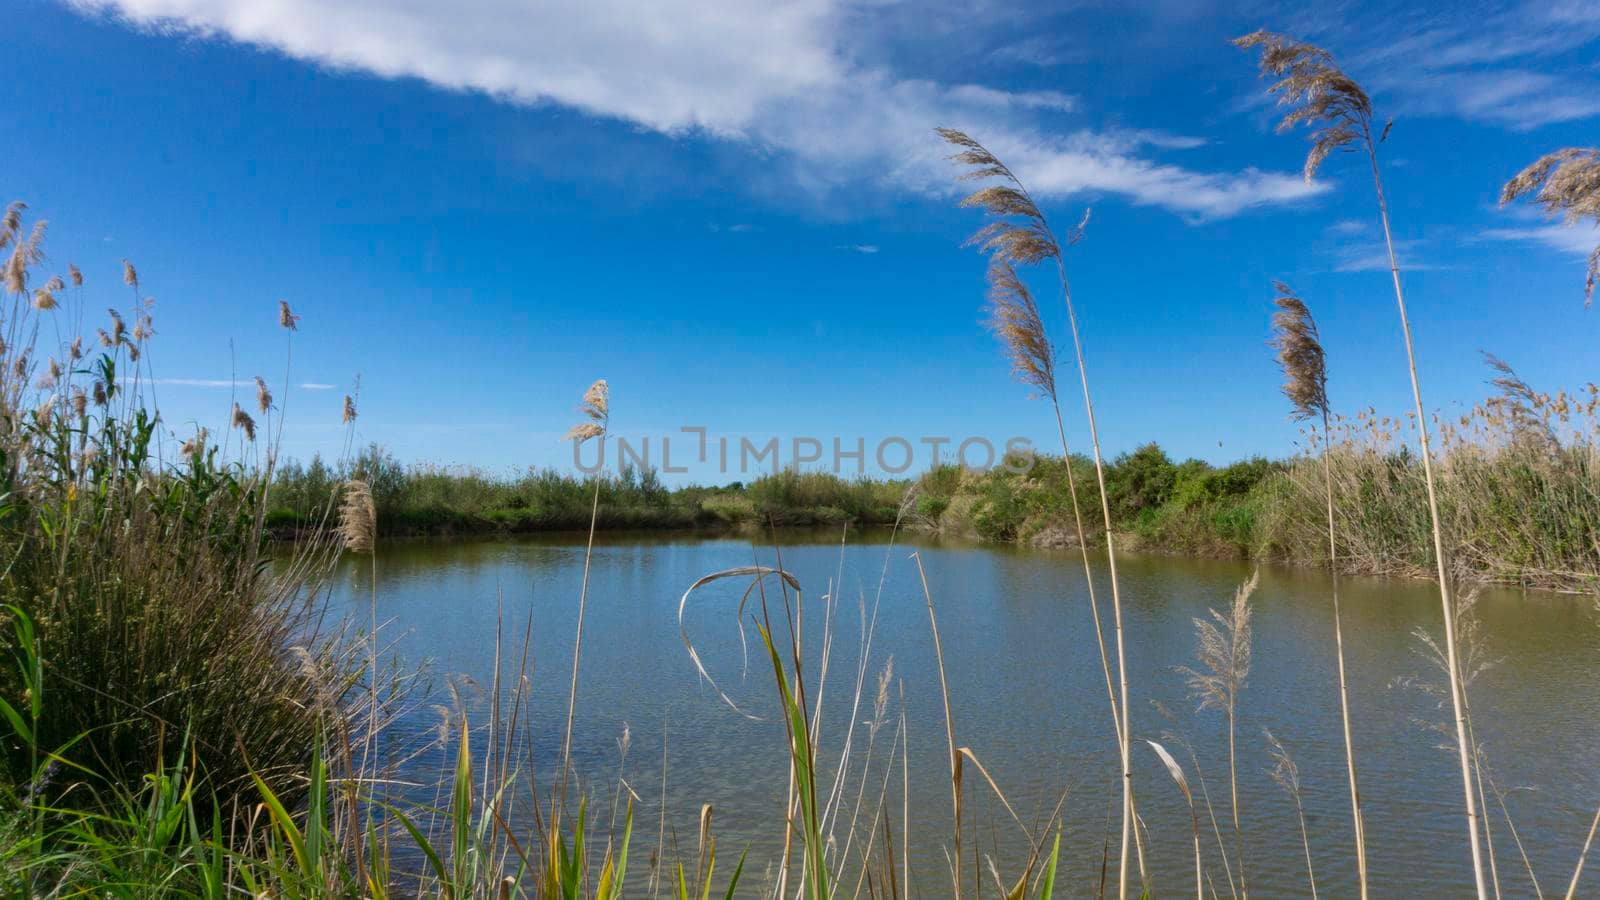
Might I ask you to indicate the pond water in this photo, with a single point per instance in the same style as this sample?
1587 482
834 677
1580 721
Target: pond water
1028 697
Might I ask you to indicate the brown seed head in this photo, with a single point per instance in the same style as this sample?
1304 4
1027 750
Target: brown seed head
1014 319
286 318
75 275
263 396
1319 95
1300 355
130 275
349 410
597 406
1566 182
358 517
1019 233
243 422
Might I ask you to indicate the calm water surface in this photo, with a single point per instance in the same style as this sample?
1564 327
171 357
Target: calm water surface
1028 697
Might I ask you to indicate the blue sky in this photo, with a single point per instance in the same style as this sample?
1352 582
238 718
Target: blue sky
739 215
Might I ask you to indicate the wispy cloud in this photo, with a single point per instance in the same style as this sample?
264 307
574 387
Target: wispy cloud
1579 240
1492 67
317 386
777 79
859 248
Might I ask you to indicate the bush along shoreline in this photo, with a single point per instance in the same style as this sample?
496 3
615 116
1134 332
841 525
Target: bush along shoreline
1519 475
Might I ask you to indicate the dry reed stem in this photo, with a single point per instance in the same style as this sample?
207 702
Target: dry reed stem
597 406
949 727
1287 775
1320 95
1301 356
1026 243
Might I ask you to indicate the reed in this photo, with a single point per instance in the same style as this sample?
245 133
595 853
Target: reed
1286 774
1304 365
1565 183
1176 771
1224 654
1020 234
1321 96
596 407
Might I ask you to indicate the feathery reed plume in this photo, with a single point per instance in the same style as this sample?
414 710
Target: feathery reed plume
44 299
1565 182
75 275
1517 403
1176 771
1300 355
1305 373
596 405
1224 654
263 395
11 223
80 401
1323 97
195 444
243 422
286 318
1287 775
130 275
76 349
1014 319
358 517
349 414
1020 234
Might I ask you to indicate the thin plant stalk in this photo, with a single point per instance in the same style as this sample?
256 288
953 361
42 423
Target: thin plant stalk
1031 243
949 727
1341 111
1457 701
1304 364
597 406
1588 842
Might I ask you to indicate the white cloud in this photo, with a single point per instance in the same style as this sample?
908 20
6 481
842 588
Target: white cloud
1573 239
774 76
1479 68
317 386
860 248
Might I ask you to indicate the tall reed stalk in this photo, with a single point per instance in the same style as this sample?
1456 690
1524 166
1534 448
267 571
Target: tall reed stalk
1029 243
1304 365
1014 318
1328 100
596 406
1224 654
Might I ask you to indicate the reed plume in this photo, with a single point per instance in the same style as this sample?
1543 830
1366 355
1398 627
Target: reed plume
243 422
130 275
349 414
1305 373
1321 96
1287 776
1020 234
263 395
1566 182
1224 655
1517 405
596 406
75 275
1014 319
286 318
358 517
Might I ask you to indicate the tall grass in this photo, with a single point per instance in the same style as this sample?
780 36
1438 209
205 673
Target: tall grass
1304 365
1020 234
1324 98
